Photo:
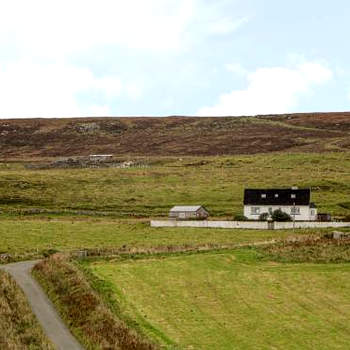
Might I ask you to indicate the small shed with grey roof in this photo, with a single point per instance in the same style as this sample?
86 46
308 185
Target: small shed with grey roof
188 212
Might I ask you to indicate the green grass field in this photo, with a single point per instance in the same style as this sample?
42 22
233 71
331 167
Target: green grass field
36 236
216 182
232 300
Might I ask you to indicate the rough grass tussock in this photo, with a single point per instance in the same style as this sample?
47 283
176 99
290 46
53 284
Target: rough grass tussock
84 311
19 328
310 250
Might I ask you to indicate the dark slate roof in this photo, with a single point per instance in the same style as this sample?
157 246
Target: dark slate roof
277 196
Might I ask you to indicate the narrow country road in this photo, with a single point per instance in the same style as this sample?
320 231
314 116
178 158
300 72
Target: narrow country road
42 307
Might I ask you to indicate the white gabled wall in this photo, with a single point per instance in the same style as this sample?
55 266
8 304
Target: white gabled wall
305 211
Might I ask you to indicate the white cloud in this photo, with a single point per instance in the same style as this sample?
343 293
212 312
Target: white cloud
271 90
49 28
43 28
35 90
39 38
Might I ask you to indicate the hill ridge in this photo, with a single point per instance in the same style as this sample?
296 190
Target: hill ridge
174 135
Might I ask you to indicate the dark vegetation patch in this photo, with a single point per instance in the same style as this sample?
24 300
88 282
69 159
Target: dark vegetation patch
22 201
345 205
332 186
84 310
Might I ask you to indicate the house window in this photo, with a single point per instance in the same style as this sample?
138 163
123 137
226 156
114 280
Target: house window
312 212
293 195
295 211
263 195
276 195
254 210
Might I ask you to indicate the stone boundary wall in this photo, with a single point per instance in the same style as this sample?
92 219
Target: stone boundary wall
209 224
309 224
258 225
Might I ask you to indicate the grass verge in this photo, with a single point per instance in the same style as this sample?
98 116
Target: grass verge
19 328
84 310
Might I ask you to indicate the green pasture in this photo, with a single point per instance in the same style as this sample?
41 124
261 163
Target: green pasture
231 300
35 236
216 182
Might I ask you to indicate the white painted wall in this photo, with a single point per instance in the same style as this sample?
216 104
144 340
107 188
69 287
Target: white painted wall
215 224
260 225
305 211
308 224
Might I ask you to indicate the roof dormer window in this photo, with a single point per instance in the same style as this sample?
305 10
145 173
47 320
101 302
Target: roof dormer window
263 195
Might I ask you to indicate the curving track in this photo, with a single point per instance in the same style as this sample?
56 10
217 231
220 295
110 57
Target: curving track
45 312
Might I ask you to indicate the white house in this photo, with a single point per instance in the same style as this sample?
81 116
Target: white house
293 201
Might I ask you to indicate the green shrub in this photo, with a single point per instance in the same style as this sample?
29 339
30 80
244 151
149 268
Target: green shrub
279 215
240 217
263 216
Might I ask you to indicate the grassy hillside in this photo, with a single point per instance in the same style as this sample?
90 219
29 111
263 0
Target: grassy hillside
19 329
23 138
67 209
209 299
216 182
232 300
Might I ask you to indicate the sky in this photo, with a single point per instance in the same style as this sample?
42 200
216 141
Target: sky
76 58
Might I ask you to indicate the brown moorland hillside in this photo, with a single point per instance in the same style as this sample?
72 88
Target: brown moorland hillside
151 136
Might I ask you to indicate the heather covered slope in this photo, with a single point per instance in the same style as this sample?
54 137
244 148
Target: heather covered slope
22 138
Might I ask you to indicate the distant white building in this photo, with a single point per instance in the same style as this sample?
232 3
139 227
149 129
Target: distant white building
293 201
188 212
100 157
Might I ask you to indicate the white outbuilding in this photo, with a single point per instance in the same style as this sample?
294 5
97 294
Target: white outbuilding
189 212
